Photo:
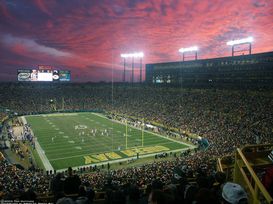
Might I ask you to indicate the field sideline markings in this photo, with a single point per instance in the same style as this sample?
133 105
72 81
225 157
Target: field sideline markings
95 153
145 131
39 150
87 147
91 139
118 138
124 159
98 146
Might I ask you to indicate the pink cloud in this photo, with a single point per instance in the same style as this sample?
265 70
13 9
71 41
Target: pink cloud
89 37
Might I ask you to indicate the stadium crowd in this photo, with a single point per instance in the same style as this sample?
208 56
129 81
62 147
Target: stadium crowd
227 118
133 185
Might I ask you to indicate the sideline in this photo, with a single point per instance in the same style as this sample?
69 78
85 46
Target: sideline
48 166
39 149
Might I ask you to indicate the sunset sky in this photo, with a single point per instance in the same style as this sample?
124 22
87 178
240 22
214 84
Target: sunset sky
88 36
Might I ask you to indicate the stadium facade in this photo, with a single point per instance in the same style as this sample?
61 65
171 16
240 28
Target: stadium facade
255 70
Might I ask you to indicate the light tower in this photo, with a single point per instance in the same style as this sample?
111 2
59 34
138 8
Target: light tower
233 43
188 50
132 56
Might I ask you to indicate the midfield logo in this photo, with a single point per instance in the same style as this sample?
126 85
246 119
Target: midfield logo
80 127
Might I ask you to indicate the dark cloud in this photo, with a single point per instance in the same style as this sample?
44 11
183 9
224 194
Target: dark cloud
88 37
259 3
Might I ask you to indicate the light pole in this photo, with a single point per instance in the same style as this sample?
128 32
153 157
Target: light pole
183 51
233 43
188 50
140 76
124 65
132 56
133 69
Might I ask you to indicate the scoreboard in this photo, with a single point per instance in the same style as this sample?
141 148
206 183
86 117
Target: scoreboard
43 75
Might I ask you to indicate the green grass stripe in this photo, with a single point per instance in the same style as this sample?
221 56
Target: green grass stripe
62 153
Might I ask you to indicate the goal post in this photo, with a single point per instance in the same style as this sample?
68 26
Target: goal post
139 134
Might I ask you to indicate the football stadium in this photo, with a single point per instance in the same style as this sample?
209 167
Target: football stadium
76 126
157 133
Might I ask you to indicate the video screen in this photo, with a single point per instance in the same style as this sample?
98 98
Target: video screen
64 75
42 75
24 75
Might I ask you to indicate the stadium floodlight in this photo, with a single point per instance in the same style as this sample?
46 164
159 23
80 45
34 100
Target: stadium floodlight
233 43
135 55
240 41
188 49
132 55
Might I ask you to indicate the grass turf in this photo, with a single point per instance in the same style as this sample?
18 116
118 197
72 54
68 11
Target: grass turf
68 139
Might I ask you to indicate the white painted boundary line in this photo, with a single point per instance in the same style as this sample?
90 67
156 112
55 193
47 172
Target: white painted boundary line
127 159
49 167
81 155
192 146
140 156
40 151
54 114
43 157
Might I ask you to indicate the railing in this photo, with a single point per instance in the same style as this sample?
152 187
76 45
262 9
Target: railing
226 165
245 175
1 156
219 165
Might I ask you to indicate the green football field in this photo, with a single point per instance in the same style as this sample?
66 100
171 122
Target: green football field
78 139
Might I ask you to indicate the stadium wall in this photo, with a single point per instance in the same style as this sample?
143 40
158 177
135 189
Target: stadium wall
243 71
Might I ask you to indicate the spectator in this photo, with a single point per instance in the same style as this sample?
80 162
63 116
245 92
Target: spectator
233 193
157 197
57 186
71 183
226 118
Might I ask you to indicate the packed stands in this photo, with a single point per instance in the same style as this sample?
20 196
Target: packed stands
227 118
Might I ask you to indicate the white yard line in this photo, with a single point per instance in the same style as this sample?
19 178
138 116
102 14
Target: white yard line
40 151
49 167
95 153
127 159
192 146
43 157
